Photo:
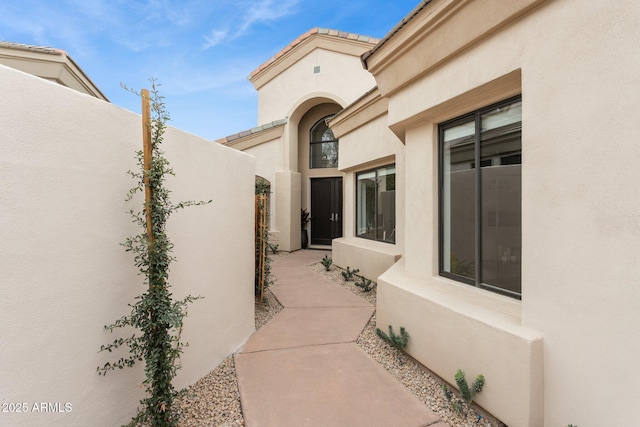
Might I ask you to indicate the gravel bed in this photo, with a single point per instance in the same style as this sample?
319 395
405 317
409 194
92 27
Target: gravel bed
214 400
335 275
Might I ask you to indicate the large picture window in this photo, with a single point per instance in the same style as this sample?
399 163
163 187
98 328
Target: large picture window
376 204
480 198
323 148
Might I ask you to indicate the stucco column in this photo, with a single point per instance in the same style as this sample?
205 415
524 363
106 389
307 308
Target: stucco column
287 195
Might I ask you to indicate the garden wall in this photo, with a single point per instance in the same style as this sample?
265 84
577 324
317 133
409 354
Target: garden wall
63 273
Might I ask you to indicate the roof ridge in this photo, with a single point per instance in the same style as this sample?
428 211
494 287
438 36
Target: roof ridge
30 47
230 138
311 32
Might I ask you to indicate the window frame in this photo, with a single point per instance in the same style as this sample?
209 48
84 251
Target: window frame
375 171
442 127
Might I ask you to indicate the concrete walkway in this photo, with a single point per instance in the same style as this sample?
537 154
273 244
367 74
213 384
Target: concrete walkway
304 368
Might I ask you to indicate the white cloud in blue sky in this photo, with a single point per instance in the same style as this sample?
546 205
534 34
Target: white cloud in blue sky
200 50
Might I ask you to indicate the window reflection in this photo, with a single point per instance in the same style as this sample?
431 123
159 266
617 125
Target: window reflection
376 204
481 206
323 149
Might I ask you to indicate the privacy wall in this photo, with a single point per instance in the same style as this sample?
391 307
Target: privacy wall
64 273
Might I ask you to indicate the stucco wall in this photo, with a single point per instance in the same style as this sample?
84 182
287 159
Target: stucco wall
269 159
362 148
64 274
580 232
340 74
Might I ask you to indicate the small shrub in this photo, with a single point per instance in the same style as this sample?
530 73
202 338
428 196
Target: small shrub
399 342
348 274
305 217
273 248
466 393
366 284
326 261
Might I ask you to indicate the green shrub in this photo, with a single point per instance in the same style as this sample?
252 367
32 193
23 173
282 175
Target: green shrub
366 285
326 261
399 342
466 393
348 274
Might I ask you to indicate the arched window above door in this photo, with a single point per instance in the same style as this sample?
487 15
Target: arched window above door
323 146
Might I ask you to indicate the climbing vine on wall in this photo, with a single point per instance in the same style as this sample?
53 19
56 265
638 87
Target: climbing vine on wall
156 316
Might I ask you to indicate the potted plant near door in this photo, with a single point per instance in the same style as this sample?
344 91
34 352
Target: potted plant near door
304 220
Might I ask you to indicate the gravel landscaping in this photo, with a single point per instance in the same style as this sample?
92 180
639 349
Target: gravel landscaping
214 400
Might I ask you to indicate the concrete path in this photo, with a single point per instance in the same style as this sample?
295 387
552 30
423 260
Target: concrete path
304 368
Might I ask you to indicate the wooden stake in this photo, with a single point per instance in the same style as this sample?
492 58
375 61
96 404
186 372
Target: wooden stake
147 154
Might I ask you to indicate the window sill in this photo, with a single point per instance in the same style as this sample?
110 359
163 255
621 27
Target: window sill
500 311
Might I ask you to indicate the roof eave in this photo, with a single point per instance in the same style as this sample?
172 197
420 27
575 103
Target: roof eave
365 56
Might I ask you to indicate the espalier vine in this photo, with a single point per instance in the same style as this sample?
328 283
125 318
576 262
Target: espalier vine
155 316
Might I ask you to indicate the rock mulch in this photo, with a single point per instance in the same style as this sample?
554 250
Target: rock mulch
215 401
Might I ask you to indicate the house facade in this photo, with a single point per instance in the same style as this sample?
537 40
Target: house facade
304 85
487 158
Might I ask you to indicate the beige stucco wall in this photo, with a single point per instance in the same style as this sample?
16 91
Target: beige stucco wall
269 159
569 341
287 204
64 274
289 88
365 143
341 78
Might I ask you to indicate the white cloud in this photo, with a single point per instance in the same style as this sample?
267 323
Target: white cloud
251 13
264 11
216 37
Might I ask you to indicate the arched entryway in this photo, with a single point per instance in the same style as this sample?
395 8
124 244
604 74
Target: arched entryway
322 192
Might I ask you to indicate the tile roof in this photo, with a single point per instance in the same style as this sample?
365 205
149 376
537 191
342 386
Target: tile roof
311 32
31 48
229 139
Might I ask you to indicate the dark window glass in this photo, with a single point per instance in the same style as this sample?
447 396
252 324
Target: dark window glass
376 204
323 148
480 208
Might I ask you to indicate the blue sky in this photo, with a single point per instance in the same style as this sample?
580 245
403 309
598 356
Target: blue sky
201 51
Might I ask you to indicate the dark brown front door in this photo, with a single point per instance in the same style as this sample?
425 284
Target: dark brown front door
326 210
